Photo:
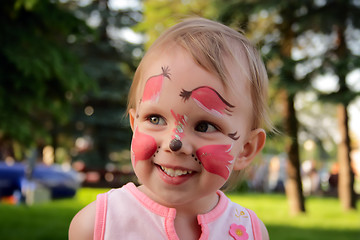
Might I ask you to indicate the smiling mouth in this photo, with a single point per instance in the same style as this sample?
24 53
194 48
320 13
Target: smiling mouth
175 172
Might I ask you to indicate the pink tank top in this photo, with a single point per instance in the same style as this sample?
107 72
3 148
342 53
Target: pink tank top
127 213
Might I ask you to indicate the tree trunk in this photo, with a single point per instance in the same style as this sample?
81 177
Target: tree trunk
346 175
293 184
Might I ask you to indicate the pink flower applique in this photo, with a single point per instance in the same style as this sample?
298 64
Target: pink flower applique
238 232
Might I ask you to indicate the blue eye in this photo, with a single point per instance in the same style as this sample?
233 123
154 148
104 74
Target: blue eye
205 127
156 120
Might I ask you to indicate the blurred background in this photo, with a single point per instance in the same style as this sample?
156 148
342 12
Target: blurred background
66 67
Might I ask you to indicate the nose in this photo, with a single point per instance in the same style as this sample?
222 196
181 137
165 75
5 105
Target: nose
175 144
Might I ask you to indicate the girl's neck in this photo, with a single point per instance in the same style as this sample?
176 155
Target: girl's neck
186 222
192 208
187 228
201 206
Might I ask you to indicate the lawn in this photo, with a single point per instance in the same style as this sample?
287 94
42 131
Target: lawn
323 220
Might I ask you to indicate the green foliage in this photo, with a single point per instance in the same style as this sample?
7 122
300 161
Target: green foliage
159 15
109 59
37 71
65 72
281 27
339 21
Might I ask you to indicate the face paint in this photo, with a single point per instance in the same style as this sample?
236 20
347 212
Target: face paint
153 86
209 100
180 122
143 147
216 159
233 136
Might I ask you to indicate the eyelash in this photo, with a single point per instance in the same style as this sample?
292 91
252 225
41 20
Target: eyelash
149 119
209 123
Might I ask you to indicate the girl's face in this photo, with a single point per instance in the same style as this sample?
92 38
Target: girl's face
189 131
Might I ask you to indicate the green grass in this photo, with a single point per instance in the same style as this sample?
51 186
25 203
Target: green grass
43 221
323 220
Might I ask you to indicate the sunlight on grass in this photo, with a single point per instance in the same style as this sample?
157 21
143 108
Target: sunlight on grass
324 218
86 195
43 221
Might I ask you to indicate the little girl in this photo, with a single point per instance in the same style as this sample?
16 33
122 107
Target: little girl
196 107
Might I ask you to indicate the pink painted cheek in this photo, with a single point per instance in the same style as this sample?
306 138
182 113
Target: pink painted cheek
143 147
216 159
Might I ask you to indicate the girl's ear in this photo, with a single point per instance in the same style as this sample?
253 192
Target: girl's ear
251 148
132 113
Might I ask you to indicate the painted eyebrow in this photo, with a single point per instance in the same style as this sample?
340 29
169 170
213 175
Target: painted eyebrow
233 136
186 95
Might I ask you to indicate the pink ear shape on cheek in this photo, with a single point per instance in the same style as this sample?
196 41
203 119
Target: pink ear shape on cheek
216 159
143 147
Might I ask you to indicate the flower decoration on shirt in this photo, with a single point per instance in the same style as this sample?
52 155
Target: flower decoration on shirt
238 232
240 214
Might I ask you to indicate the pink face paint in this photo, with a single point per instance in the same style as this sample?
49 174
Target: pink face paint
209 100
216 159
143 147
153 86
180 121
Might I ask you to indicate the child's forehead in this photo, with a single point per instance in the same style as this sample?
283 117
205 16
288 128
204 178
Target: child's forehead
181 64
179 74
179 67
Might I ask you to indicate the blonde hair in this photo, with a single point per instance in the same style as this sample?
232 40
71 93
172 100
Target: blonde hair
212 45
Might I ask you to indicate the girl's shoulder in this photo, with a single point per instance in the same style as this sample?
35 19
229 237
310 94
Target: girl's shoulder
242 216
82 225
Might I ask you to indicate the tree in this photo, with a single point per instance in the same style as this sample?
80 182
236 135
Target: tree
110 59
339 20
296 26
274 25
160 15
38 72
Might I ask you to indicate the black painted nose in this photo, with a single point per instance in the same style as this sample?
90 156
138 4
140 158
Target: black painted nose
175 145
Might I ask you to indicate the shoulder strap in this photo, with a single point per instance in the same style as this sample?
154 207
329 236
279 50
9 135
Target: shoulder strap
100 218
255 225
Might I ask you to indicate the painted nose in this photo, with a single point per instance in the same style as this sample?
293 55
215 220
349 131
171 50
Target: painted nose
175 145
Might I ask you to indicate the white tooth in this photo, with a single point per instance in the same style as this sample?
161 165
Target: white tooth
179 172
170 172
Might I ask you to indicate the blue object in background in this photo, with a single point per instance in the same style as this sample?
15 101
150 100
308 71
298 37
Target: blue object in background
61 183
